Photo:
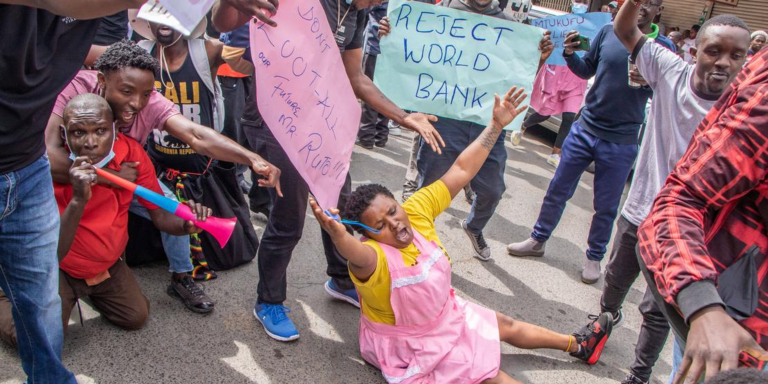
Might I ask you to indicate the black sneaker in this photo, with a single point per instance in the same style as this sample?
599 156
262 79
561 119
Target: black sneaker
191 294
632 379
364 145
592 338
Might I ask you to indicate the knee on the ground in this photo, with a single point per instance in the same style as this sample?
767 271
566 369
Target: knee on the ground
134 319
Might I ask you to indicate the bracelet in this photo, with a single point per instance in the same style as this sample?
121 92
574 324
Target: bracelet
570 342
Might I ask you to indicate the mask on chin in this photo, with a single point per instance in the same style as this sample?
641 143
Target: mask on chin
103 161
578 8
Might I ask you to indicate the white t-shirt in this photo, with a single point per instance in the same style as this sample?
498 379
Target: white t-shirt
676 111
687 45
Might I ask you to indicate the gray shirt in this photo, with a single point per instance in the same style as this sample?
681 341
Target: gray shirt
676 111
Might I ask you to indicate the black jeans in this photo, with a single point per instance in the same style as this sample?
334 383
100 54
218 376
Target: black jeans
286 222
620 274
566 122
373 125
233 90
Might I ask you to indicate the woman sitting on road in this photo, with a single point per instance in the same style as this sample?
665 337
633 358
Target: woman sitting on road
412 326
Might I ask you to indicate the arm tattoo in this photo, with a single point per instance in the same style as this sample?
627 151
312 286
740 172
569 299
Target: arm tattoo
489 136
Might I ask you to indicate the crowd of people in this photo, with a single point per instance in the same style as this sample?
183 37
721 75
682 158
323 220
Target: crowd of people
91 88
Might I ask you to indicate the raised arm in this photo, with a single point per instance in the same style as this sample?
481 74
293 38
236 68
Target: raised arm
208 142
83 177
362 257
79 9
625 25
472 158
368 92
230 14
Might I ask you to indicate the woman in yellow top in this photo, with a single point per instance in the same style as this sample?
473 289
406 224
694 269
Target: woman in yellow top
413 327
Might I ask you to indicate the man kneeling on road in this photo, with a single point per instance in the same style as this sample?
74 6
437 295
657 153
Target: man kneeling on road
94 218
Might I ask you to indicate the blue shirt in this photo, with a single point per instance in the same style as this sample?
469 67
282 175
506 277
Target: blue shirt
372 29
613 111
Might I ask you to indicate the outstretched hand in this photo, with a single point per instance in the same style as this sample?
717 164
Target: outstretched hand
271 175
257 8
333 227
505 110
422 124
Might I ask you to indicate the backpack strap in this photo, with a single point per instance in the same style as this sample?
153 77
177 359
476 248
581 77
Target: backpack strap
199 56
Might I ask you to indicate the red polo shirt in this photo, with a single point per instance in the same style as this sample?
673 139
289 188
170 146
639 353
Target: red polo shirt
103 230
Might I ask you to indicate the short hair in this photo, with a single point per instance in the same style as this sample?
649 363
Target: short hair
696 27
740 376
125 54
361 199
86 101
727 20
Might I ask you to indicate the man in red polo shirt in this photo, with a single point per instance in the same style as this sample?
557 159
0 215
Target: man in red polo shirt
94 218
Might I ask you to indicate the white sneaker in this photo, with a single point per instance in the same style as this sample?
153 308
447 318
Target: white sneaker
515 137
527 247
554 160
591 272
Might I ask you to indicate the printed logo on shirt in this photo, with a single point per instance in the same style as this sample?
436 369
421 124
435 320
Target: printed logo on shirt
186 98
68 20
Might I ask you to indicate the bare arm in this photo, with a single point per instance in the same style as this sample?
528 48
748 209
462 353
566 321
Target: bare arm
208 142
472 158
215 58
625 25
230 14
368 92
82 178
174 225
80 9
362 257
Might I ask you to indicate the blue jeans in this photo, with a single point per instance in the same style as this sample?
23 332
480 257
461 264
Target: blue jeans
176 247
488 184
613 162
29 269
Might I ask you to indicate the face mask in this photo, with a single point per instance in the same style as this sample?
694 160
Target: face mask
518 10
578 8
103 161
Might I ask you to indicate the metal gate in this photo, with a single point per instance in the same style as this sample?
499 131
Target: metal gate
561 5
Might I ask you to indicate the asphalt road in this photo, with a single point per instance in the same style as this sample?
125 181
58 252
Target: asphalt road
229 346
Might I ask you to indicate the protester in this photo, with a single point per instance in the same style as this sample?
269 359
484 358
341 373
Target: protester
374 129
43 45
488 187
704 242
677 39
187 78
682 95
606 133
125 77
757 42
412 325
94 217
556 91
286 219
689 43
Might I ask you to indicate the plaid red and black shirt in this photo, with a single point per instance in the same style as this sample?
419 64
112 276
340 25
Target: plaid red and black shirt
713 207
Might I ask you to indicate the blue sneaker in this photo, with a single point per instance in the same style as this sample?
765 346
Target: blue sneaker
275 321
350 295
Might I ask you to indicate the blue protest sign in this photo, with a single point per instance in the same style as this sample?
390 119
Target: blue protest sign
450 63
588 24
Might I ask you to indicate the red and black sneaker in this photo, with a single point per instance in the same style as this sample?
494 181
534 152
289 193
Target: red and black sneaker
592 338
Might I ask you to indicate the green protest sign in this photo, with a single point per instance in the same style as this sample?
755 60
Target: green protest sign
450 63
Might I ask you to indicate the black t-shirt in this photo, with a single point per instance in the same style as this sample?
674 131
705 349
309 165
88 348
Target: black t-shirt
353 22
40 53
113 28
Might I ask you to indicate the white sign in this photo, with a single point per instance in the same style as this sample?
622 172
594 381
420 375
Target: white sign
181 15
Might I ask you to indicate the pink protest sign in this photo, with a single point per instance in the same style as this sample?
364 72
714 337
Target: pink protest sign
305 97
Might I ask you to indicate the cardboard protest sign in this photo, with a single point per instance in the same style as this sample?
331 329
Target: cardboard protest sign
305 97
181 15
588 24
450 63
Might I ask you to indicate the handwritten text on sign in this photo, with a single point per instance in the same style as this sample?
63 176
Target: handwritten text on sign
588 24
450 63
305 97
